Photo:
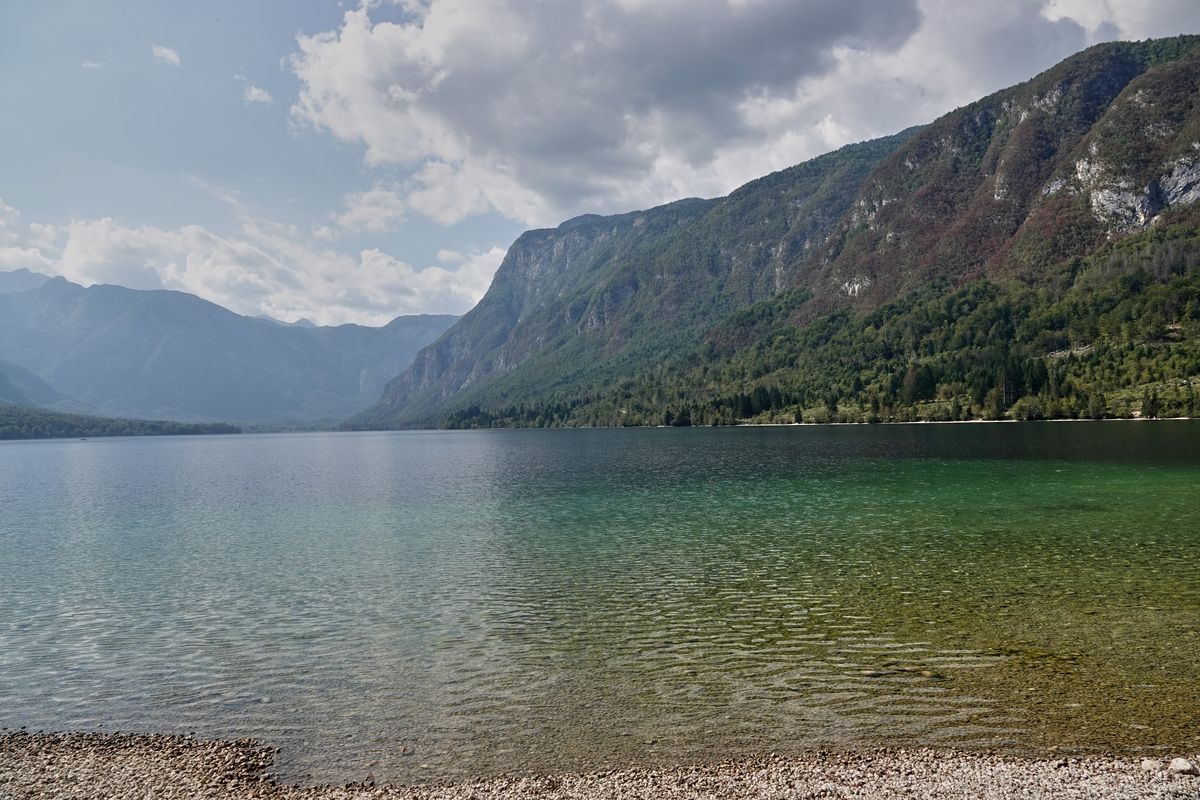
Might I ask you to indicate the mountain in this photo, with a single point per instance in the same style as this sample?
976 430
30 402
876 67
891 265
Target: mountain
20 387
21 280
1030 254
300 323
170 355
599 297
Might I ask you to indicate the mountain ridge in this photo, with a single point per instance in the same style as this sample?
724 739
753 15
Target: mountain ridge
20 387
1020 187
20 280
626 257
162 354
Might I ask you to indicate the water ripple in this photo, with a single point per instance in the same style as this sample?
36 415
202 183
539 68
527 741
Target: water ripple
420 606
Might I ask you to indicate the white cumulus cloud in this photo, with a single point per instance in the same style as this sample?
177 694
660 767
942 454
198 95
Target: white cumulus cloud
166 54
254 94
376 210
20 246
263 268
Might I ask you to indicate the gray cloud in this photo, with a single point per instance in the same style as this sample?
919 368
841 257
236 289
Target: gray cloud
551 106
539 110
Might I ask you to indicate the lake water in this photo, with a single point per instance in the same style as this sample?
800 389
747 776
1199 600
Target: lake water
431 605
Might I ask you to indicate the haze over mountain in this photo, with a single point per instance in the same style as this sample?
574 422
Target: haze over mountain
20 387
1031 253
168 355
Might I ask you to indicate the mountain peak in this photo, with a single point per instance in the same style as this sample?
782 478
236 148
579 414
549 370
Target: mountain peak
20 280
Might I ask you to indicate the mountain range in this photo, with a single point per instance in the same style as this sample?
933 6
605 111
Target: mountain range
121 352
1031 254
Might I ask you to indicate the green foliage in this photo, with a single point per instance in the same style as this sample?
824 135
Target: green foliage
1118 340
19 422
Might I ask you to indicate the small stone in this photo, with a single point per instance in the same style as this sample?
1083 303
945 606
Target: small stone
1151 765
1181 766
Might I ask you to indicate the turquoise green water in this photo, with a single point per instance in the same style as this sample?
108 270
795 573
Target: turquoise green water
427 605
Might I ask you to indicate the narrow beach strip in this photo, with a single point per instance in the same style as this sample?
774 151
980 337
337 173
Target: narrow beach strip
106 765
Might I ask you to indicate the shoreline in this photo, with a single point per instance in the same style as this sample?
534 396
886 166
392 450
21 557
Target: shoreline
943 422
123 765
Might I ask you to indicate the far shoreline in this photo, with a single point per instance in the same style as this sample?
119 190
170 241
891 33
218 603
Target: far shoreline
940 422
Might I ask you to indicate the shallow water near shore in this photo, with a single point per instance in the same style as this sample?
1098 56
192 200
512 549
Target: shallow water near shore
426 605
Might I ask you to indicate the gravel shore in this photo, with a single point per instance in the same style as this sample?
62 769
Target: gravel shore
96 766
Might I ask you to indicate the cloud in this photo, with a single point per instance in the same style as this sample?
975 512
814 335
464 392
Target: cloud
541 111
91 64
264 268
9 221
18 245
1129 19
166 54
537 110
254 94
377 210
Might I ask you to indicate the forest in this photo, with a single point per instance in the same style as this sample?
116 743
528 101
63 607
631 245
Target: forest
21 422
1116 336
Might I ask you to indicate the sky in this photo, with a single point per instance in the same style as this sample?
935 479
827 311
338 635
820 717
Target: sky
347 162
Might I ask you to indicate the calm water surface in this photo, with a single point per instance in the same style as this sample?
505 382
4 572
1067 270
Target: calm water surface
419 606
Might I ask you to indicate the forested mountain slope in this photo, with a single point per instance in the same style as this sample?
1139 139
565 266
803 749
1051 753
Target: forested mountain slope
599 298
1030 254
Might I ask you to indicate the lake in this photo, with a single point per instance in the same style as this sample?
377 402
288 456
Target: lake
427 605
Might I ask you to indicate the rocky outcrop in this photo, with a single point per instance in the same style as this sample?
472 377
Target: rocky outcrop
1123 207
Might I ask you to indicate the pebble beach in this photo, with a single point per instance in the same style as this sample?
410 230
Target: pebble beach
108 765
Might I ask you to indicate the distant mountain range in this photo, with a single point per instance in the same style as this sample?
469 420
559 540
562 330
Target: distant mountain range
20 387
1031 254
114 351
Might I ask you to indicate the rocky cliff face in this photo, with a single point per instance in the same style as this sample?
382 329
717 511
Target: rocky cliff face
550 281
1129 188
599 292
1011 187
1020 179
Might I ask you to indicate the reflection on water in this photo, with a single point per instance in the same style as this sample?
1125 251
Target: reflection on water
425 605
